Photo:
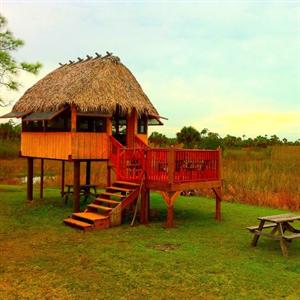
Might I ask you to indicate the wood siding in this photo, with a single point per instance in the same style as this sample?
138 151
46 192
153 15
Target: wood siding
143 137
61 145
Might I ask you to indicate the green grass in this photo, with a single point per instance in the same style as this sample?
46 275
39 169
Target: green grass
201 258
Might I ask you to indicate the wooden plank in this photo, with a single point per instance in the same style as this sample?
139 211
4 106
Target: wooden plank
292 236
53 145
281 218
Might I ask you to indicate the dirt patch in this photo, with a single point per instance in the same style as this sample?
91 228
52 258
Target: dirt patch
166 247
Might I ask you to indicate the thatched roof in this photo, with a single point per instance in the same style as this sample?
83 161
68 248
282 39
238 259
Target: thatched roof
94 84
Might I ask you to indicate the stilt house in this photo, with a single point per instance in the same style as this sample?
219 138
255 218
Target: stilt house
95 110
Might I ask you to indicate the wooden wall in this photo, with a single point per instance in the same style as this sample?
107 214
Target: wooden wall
60 145
143 137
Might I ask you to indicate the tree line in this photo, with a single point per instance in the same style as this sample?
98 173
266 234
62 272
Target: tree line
10 131
191 138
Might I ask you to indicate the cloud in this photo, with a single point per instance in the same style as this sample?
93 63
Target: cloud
284 124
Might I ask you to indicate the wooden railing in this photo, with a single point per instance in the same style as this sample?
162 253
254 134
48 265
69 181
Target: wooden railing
115 150
157 165
172 166
196 165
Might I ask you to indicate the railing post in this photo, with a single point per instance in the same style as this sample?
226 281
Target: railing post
171 165
220 164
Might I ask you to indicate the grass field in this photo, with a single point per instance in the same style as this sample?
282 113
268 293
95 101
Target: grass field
259 176
40 258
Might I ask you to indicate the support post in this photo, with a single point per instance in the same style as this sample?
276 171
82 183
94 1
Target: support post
218 194
30 178
170 216
88 172
42 180
62 184
170 198
76 186
73 118
144 212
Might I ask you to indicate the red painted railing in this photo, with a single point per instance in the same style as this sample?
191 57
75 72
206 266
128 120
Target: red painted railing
115 149
157 165
131 164
186 165
196 165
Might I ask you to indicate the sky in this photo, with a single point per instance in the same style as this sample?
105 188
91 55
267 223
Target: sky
230 66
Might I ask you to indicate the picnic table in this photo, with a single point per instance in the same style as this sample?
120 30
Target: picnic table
85 190
280 225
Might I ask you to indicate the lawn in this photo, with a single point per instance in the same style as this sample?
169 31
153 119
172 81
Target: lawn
199 259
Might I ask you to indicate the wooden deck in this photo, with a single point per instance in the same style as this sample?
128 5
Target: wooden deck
167 169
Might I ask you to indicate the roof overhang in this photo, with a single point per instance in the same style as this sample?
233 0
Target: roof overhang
15 114
154 120
43 116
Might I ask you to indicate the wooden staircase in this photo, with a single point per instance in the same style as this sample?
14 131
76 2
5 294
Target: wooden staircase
106 210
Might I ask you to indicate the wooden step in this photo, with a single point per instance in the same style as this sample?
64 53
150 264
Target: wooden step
106 201
132 184
118 189
78 224
89 217
105 208
112 194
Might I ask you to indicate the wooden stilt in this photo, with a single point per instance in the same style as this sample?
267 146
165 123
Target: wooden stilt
88 172
62 184
144 211
170 217
218 194
170 198
42 180
76 186
30 178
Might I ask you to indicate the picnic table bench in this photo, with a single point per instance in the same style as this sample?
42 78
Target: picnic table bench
280 224
85 190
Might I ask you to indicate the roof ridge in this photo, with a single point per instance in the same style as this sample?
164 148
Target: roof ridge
89 58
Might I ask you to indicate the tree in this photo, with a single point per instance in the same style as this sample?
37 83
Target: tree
158 139
211 141
9 67
189 136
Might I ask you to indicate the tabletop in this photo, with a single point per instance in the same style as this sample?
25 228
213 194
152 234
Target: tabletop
280 218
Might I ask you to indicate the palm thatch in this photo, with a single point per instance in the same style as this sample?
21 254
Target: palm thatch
99 84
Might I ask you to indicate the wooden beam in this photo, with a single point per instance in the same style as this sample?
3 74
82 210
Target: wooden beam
42 180
220 164
30 178
170 198
73 118
88 172
76 186
218 194
62 184
144 211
